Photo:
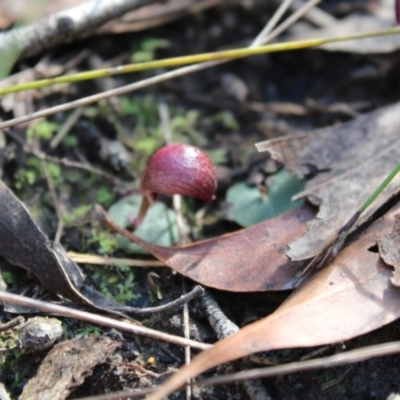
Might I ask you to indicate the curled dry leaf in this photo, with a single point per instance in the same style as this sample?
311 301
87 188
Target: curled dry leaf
349 162
389 249
350 297
252 259
23 244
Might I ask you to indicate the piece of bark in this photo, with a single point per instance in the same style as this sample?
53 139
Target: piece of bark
61 27
389 250
347 163
146 17
67 366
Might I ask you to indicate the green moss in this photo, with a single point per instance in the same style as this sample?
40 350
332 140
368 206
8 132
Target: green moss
117 283
106 243
43 130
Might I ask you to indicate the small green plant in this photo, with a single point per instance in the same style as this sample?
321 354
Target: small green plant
325 376
287 353
89 330
117 284
146 50
105 196
224 118
34 171
125 284
339 389
106 243
76 214
144 108
25 177
9 277
70 141
44 129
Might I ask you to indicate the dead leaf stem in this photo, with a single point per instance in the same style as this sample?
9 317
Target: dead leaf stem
98 320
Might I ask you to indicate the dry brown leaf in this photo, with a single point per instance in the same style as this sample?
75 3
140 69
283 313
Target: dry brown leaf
349 161
355 24
23 244
66 367
249 260
350 297
382 18
389 249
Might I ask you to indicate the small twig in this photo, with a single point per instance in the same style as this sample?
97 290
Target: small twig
60 216
292 19
316 16
67 126
335 381
82 258
352 356
315 352
141 369
165 348
261 37
98 320
121 395
163 112
222 326
11 324
186 334
184 299
62 161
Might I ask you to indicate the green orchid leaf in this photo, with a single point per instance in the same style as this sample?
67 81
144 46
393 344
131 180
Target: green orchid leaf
251 206
159 225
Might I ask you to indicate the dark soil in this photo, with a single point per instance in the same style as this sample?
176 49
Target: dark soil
293 77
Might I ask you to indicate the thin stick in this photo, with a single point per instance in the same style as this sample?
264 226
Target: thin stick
12 324
261 37
53 192
193 59
292 19
82 258
62 161
186 334
352 356
98 320
69 123
181 301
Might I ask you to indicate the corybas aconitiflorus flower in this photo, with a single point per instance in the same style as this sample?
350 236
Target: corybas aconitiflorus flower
177 169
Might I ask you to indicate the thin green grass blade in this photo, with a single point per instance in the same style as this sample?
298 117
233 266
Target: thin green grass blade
380 188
